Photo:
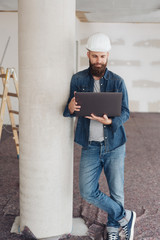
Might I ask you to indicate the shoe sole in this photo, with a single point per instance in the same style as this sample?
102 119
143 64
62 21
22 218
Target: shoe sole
132 228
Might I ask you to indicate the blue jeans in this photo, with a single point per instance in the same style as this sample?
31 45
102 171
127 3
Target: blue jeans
94 158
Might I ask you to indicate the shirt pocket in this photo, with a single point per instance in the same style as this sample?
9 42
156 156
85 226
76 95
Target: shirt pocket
83 89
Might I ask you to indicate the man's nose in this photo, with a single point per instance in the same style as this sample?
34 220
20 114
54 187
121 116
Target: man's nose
98 60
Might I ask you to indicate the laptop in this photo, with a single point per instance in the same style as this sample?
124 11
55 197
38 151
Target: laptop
100 103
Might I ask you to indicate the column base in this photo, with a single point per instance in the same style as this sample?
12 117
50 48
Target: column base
79 228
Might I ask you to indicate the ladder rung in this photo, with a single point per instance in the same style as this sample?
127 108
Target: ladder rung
15 128
2 75
12 94
15 112
17 145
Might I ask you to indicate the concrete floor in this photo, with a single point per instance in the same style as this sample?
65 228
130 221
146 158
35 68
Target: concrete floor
142 177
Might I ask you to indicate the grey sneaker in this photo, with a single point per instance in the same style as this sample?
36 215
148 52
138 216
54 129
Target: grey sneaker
113 236
129 227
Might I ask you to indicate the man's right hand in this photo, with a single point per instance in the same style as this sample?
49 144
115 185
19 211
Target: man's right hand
72 106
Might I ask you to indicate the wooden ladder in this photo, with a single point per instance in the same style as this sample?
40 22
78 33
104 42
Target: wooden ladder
10 73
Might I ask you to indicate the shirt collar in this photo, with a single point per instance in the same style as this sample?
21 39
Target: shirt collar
106 73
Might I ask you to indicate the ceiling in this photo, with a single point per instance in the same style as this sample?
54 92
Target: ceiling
141 11
118 10
8 5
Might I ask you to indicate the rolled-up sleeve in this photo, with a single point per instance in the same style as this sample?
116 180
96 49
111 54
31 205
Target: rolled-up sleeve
118 121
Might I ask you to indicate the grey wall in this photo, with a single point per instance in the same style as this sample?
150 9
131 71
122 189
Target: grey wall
135 55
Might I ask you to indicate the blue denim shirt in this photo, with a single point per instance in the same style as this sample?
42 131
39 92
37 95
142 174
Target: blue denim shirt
114 134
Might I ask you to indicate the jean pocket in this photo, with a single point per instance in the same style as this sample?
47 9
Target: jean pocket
85 148
119 150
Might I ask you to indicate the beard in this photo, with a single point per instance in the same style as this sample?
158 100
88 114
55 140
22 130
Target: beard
97 71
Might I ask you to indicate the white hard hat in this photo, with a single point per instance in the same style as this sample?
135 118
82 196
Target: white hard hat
99 42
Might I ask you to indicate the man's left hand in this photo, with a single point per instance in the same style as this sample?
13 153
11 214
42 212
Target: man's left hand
104 120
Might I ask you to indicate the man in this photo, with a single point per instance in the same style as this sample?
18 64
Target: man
102 139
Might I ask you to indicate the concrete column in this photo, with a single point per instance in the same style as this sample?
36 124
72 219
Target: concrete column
46 63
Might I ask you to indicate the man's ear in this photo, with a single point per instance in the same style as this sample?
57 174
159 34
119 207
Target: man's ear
107 54
88 54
